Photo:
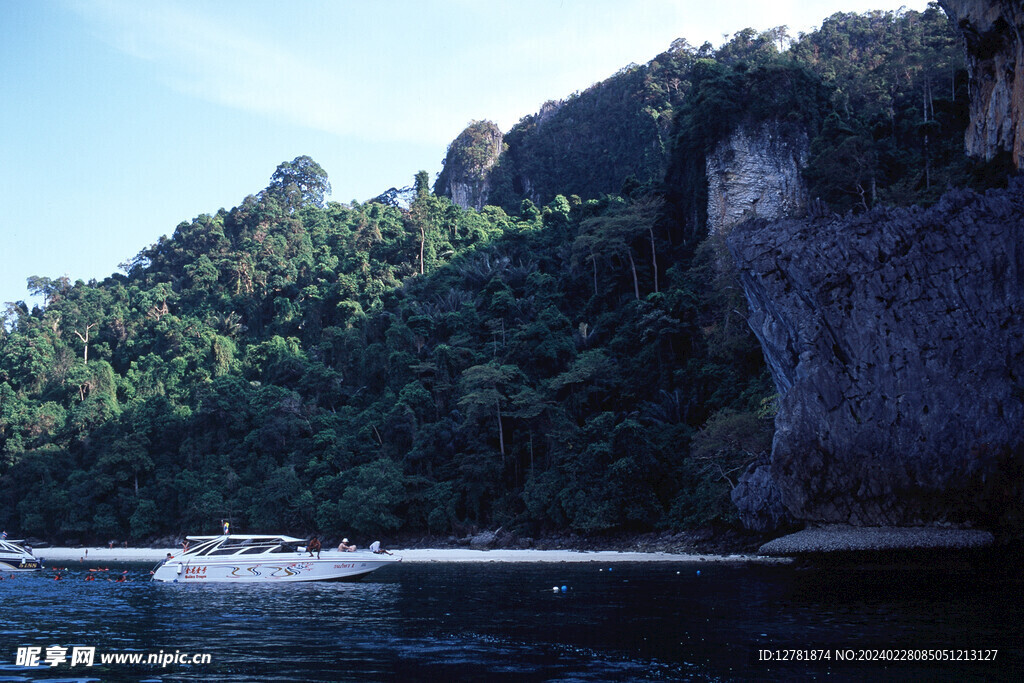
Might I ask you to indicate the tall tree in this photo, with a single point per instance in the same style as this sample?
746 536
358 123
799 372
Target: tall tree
300 182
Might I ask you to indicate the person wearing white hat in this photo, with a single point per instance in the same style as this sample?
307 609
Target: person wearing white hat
345 547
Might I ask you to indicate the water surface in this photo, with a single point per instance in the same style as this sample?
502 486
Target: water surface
495 622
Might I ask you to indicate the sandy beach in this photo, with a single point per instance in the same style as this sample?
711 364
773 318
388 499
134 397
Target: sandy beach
98 554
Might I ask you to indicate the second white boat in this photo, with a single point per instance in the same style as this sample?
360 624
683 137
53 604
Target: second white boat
14 557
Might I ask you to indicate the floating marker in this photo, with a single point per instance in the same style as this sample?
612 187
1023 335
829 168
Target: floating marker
565 589
698 572
554 588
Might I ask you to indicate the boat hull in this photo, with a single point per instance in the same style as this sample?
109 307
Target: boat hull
27 565
271 570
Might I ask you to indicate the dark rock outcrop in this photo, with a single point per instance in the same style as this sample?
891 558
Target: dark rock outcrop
896 341
759 501
992 31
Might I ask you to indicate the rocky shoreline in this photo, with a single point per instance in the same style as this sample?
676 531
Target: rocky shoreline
848 539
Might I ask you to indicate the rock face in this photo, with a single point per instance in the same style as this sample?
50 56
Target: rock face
759 502
756 174
896 342
467 166
992 31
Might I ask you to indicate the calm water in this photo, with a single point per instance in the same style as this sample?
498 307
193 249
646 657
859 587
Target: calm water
498 622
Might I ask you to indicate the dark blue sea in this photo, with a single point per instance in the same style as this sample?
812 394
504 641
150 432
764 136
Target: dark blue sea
503 622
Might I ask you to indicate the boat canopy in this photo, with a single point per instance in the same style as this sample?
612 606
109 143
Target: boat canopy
242 544
12 546
248 537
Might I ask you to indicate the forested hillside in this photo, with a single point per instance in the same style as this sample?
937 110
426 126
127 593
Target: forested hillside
890 132
296 365
289 364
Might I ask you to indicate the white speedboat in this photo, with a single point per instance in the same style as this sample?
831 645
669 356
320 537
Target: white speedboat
15 558
243 558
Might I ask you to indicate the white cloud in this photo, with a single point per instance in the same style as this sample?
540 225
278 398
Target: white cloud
199 56
408 73
412 72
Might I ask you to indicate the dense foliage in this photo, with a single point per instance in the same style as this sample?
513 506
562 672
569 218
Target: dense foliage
589 143
882 95
286 365
893 131
296 365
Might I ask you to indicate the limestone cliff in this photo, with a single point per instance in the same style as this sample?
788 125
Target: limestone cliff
467 166
756 174
995 58
896 342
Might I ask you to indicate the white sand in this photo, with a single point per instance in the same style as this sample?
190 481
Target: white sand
50 555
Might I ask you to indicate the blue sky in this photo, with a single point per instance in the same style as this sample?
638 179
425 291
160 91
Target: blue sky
120 119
